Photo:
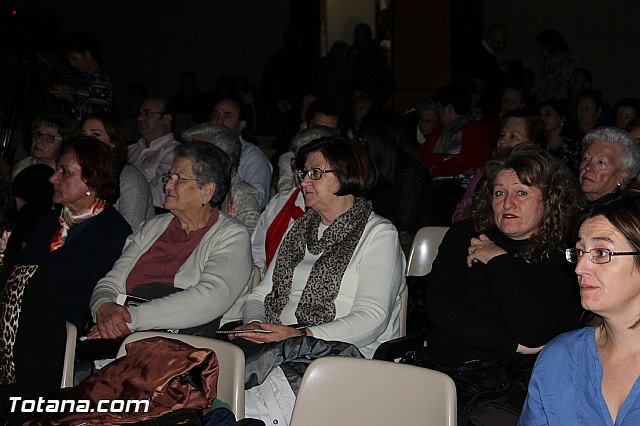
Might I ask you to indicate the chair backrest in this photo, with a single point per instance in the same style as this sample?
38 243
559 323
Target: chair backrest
349 391
424 249
69 356
230 360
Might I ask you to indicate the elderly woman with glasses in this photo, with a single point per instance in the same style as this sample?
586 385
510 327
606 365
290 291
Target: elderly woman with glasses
590 376
194 263
500 286
47 134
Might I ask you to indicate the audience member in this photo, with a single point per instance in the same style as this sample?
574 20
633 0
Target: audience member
626 110
589 112
286 206
47 133
401 193
559 144
34 197
322 275
371 73
34 335
135 202
557 66
242 200
361 106
194 263
590 375
425 122
254 167
79 243
517 127
190 100
154 152
512 99
484 66
322 112
500 286
334 75
610 160
93 92
455 149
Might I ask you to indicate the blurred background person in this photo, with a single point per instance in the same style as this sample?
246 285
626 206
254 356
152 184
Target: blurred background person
559 144
135 202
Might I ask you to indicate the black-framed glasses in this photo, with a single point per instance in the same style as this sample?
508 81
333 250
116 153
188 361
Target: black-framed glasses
314 173
36 135
147 112
174 178
596 255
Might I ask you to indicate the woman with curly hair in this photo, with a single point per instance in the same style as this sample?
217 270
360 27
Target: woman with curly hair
500 286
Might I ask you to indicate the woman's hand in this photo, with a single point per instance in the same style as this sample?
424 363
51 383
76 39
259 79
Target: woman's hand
482 249
111 322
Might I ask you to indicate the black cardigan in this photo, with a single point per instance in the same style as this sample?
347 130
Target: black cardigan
485 311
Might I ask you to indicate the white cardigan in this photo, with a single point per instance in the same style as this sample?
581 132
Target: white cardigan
368 303
215 278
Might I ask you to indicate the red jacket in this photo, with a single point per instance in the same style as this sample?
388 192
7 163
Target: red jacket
476 149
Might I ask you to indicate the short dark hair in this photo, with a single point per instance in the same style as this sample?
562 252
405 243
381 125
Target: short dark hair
586 74
592 94
534 126
79 41
99 170
562 198
322 106
209 164
629 103
456 95
351 164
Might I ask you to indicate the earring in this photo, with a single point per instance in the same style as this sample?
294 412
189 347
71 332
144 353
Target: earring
88 193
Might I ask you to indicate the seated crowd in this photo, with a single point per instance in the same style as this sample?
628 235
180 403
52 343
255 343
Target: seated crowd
313 244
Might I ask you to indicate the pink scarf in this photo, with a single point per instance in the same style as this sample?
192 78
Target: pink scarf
67 219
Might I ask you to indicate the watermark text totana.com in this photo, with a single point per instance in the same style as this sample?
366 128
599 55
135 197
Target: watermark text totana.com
42 405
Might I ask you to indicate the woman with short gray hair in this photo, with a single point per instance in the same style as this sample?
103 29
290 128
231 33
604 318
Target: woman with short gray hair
610 160
242 200
194 263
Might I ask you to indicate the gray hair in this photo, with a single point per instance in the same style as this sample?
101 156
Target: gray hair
209 164
426 105
305 136
630 159
222 137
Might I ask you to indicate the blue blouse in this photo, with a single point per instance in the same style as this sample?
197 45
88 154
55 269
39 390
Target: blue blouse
566 386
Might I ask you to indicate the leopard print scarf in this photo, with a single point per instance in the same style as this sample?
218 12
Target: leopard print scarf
336 247
10 308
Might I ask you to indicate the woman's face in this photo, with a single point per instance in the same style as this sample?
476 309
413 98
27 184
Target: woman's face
427 121
588 113
607 288
94 128
69 188
513 133
517 208
600 170
45 143
552 120
184 196
320 194
624 115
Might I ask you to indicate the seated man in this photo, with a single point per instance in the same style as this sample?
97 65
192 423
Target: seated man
153 154
455 149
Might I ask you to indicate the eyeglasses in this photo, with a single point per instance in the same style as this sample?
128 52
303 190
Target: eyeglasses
146 113
314 173
596 255
174 178
36 135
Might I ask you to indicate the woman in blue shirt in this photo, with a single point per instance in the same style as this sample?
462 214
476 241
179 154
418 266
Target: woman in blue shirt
590 376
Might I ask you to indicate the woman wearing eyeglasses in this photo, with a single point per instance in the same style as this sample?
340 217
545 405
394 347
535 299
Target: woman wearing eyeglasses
194 262
590 376
339 269
500 286
47 134
79 243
